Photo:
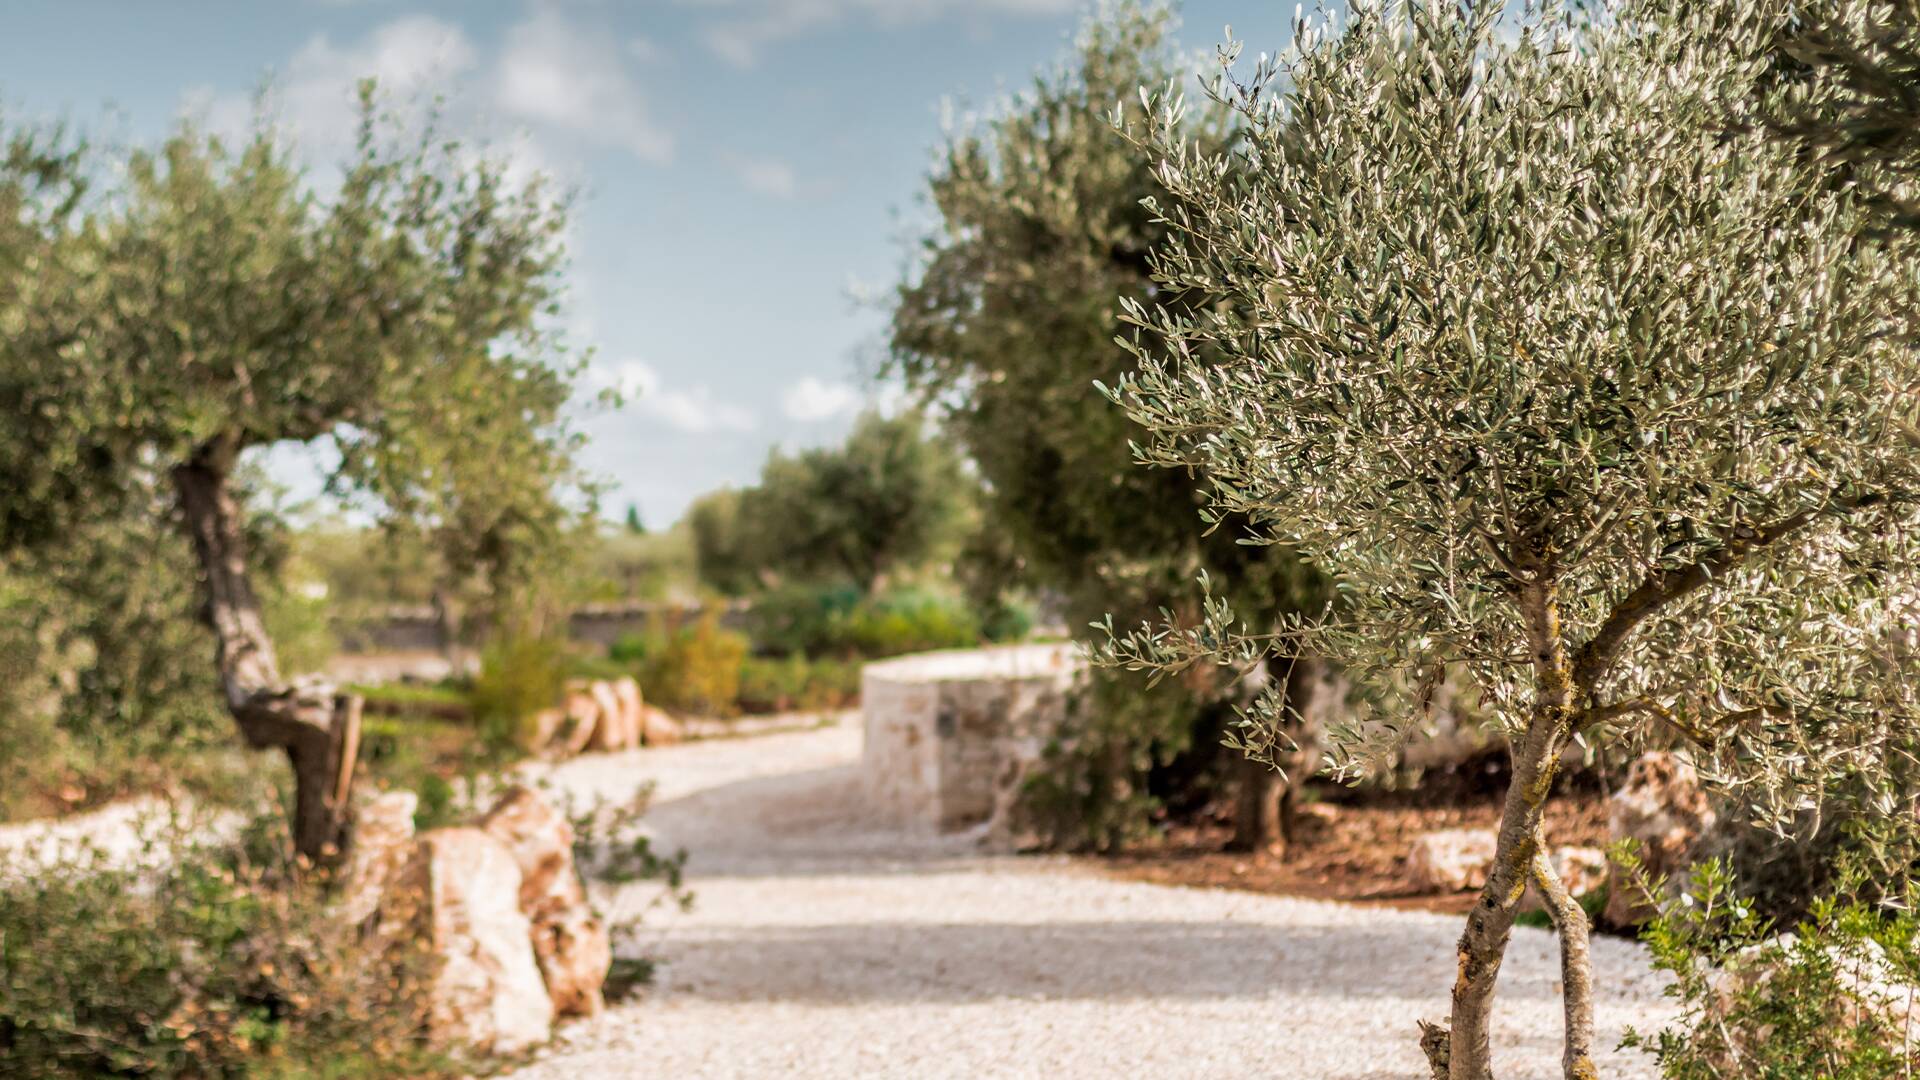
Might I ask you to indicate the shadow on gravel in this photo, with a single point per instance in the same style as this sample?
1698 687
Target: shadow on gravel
795 825
1108 961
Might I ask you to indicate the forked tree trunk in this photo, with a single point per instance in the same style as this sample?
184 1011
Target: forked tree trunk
1265 797
318 730
1463 1050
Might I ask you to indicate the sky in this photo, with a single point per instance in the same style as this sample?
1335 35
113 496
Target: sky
749 171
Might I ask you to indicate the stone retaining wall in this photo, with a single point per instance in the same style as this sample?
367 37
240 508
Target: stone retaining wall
950 735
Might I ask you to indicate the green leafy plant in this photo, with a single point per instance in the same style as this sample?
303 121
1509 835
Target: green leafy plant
609 846
198 960
1828 999
796 682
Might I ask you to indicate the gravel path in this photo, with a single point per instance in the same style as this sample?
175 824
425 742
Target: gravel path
820 947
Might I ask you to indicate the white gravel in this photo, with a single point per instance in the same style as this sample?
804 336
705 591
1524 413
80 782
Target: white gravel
822 947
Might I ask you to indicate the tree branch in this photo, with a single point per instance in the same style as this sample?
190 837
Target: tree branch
1663 587
1600 714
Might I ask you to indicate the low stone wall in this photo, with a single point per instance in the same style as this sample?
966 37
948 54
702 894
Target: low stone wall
950 735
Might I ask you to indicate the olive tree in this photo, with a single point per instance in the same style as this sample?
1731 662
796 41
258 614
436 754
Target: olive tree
1576 379
203 301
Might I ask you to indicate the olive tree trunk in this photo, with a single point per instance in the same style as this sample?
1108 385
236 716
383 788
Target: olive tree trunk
1463 1051
317 729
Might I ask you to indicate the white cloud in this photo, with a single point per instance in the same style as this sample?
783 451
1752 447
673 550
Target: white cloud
411 58
742 40
812 400
314 96
644 49
560 75
693 410
769 177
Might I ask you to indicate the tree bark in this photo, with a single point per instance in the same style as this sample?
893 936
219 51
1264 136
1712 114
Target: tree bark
1266 796
1259 820
1464 1051
318 730
1576 966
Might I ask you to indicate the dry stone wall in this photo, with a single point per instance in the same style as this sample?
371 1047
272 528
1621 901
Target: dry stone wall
951 735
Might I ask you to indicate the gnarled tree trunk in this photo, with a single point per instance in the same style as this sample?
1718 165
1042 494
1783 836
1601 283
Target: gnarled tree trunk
1266 797
1463 1050
317 729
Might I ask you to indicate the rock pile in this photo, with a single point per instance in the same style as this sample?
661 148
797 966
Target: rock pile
602 714
488 924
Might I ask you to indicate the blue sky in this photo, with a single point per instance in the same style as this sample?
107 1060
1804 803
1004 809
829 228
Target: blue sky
749 168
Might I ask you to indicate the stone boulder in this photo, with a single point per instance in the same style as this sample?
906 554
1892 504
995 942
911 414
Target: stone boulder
626 693
542 729
382 834
1664 809
582 716
1450 860
657 728
451 920
612 730
570 944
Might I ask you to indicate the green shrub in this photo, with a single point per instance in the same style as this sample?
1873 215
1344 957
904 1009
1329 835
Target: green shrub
695 669
1088 794
909 620
801 619
838 621
221 963
630 650
795 682
444 763
1821 1001
519 676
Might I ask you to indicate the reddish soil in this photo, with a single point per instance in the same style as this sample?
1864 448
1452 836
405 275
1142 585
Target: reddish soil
1348 848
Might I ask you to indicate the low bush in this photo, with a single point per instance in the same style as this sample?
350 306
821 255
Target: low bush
839 622
217 961
795 682
519 676
439 760
801 619
907 621
694 669
610 846
1825 1000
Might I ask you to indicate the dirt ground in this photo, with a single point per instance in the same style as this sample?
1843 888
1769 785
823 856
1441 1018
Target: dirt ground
1345 848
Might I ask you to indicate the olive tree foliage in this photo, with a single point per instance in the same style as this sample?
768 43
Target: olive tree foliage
1863 111
1004 326
202 300
1576 379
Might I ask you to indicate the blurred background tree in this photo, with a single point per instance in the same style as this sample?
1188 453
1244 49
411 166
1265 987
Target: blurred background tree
1006 325
204 301
893 498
